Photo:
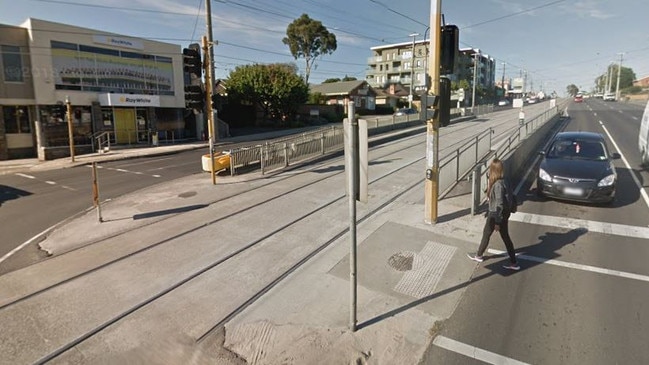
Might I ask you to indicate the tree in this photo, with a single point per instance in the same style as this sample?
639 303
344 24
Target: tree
331 81
276 88
308 39
626 78
572 89
349 78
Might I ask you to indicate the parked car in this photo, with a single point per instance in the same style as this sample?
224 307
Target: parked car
503 102
609 97
405 111
577 166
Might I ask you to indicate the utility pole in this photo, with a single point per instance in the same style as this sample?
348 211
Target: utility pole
210 66
502 83
619 71
208 102
412 69
608 79
431 187
524 81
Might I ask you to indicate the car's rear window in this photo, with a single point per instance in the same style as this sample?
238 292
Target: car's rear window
570 149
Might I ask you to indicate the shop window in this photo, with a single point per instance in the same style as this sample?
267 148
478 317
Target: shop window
16 119
13 64
107 117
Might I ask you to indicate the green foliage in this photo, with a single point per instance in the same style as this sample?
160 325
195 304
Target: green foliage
308 38
572 89
349 78
276 88
626 78
632 90
316 98
461 84
331 81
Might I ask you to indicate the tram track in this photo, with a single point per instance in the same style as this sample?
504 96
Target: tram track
215 264
198 274
271 199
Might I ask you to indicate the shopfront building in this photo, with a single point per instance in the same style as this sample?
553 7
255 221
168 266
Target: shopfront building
124 88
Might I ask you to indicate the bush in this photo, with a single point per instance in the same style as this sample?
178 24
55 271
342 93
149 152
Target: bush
632 90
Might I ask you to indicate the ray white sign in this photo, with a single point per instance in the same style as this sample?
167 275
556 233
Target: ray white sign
129 100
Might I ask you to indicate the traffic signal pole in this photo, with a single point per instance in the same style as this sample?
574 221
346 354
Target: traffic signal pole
210 64
208 103
431 194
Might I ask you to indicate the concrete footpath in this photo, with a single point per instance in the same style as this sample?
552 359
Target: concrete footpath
411 278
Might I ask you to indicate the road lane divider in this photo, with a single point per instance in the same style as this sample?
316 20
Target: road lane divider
643 193
572 265
574 223
473 352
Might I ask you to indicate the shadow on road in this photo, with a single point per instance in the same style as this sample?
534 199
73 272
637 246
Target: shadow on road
10 193
545 250
169 211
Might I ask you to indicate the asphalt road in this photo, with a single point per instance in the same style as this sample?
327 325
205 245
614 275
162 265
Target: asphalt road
581 295
33 202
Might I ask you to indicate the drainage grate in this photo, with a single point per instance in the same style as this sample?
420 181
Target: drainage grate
427 269
402 261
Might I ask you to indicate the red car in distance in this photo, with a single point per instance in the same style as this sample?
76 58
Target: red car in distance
579 98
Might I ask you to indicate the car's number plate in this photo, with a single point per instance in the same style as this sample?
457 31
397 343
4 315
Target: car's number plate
573 191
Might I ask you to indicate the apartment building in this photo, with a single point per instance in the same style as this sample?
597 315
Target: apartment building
406 64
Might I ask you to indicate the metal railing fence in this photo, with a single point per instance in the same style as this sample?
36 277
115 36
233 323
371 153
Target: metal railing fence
461 161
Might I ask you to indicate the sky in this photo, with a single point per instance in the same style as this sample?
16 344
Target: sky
557 42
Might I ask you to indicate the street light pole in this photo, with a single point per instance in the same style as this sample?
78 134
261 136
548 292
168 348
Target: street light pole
475 77
412 69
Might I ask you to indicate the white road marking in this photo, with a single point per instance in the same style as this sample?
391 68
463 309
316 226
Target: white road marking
572 223
643 193
68 188
50 182
571 265
474 352
621 112
636 118
26 176
156 175
121 170
147 161
6 256
595 114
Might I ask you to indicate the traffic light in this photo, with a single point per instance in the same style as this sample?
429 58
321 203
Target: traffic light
429 106
444 101
449 49
192 61
194 97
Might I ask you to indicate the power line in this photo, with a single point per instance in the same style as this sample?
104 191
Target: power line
512 14
398 13
200 4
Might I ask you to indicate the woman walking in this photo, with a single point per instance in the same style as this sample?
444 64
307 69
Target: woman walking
498 215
